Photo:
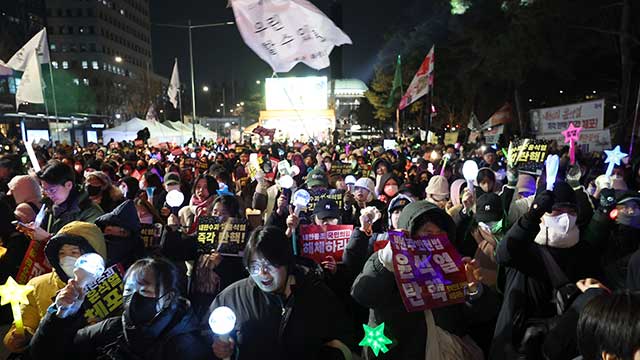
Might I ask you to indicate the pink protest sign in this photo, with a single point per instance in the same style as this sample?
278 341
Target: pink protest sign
429 271
318 241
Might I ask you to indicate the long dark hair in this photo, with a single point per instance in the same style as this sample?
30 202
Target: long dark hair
164 272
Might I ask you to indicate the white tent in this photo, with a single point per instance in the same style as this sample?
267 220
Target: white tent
129 131
202 131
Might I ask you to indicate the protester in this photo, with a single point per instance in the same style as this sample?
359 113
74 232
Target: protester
157 323
282 310
101 191
121 229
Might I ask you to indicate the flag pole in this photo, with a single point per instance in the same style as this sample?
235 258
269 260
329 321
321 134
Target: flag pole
53 90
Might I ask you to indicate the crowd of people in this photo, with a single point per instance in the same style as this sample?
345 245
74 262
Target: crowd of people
551 274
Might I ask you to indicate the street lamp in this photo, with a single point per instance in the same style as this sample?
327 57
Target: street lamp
118 59
241 103
193 86
205 88
258 82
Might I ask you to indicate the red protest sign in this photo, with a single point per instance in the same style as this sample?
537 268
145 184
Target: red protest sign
34 262
319 241
429 271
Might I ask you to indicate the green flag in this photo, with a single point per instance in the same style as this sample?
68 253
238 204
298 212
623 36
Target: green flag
397 83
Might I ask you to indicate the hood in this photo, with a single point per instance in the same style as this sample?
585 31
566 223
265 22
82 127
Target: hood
383 180
133 186
415 214
86 236
124 216
378 161
456 191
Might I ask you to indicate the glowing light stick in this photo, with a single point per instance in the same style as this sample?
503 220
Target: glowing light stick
571 135
444 164
375 339
552 164
87 269
150 190
174 199
171 158
15 294
301 199
222 321
613 158
295 170
470 172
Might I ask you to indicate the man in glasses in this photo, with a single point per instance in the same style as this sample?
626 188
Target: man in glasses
283 310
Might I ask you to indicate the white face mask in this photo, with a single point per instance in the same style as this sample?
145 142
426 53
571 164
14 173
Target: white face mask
558 231
67 263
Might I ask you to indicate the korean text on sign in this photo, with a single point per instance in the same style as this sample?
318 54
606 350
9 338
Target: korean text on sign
318 241
429 271
104 296
225 237
528 155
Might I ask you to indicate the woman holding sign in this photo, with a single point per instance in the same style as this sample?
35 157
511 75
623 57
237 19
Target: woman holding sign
376 288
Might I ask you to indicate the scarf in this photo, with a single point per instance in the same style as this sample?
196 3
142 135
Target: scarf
198 208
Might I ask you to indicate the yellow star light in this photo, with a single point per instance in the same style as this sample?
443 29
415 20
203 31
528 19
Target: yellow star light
12 292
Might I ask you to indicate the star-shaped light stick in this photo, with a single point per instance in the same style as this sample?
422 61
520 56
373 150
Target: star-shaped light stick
12 292
171 158
613 158
571 135
375 339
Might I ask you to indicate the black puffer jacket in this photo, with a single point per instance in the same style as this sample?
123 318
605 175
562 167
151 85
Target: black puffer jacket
174 334
123 250
271 327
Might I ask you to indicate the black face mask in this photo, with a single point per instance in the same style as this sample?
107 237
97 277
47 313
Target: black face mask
139 168
142 309
93 190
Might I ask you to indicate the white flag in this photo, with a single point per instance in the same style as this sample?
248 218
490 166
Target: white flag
286 32
38 43
174 86
151 114
30 88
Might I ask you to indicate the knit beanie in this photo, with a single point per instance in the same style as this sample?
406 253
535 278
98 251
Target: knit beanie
438 185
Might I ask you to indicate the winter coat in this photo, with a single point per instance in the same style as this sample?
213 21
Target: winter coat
77 207
528 288
376 288
45 288
174 334
123 250
615 244
271 327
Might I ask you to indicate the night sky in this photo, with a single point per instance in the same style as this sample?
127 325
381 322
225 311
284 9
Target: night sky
221 55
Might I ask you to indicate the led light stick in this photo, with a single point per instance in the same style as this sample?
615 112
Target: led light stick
286 183
552 164
301 199
15 294
150 190
375 339
470 172
444 164
613 158
571 135
222 321
87 269
175 199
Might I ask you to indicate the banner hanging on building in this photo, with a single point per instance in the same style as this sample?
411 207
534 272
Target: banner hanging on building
587 115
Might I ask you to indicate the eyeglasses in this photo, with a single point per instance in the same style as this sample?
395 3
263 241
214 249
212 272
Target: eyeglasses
52 190
256 267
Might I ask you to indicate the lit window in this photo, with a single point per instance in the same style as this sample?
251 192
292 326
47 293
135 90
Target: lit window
85 64
54 64
65 65
94 65
85 81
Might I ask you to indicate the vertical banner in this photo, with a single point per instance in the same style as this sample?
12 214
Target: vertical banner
34 262
429 271
318 241
227 238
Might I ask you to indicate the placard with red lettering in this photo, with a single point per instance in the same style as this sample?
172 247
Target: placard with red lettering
429 271
34 262
320 241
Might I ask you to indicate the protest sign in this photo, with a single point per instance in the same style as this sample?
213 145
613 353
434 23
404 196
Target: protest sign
187 163
104 296
587 115
319 241
429 271
491 135
450 138
528 155
203 163
34 262
340 168
284 168
227 238
334 194
150 234
594 140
